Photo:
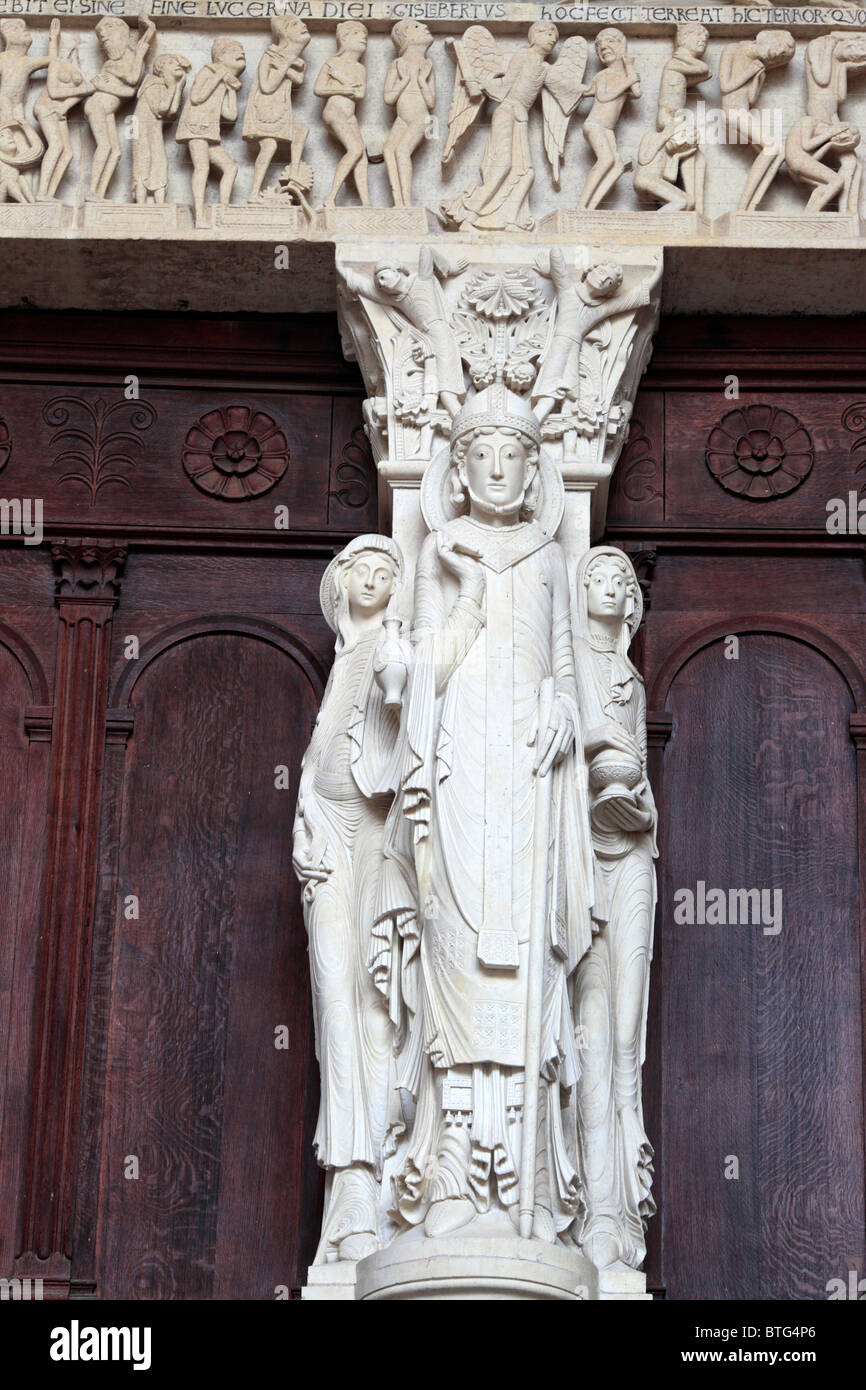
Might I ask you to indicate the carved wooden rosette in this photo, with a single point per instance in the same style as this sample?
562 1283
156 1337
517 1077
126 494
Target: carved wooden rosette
87 585
500 315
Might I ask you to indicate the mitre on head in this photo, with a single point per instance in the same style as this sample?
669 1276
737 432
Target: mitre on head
497 408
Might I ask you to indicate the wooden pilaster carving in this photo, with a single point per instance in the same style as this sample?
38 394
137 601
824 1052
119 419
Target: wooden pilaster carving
87 585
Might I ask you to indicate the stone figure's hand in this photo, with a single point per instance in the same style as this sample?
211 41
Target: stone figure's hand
554 742
613 735
645 801
464 565
309 872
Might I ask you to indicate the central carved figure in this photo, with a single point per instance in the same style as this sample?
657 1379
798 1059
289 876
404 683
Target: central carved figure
480 909
500 852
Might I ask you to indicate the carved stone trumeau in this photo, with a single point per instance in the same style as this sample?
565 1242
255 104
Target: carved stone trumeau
475 831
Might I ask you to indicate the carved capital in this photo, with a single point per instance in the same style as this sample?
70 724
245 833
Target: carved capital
569 328
87 570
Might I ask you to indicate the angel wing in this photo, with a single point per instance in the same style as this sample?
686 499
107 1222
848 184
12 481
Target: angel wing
563 89
478 59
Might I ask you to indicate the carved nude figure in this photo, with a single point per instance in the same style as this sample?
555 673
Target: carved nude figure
416 299
410 87
580 305
612 981
158 101
116 82
269 118
671 166
20 147
347 778
742 72
16 68
342 83
610 89
212 99
500 201
821 135
65 85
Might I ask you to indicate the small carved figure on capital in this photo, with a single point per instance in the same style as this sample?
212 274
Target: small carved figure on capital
581 305
416 301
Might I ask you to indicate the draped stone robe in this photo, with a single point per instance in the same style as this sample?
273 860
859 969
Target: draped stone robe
348 775
470 793
611 994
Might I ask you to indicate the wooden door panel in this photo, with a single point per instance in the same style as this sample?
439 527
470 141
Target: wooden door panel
760 1031
23 779
214 964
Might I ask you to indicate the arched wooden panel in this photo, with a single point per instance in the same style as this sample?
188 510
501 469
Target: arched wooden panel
216 1115
760 1031
23 778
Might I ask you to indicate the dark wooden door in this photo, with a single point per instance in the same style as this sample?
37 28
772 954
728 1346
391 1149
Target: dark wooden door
762 1115
754 651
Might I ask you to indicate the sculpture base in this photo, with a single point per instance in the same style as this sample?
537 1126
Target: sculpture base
256 219
618 1285
475 1267
28 219
783 229
330 1282
377 222
608 224
129 219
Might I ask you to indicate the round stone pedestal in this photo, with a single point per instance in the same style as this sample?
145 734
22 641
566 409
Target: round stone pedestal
472 1267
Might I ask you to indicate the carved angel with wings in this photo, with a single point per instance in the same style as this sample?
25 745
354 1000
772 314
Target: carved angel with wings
500 202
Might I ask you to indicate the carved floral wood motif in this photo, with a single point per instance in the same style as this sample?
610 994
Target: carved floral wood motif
235 453
760 452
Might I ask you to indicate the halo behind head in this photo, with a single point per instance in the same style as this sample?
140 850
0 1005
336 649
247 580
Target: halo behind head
328 589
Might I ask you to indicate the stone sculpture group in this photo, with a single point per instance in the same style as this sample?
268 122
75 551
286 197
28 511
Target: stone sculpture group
493 78
475 832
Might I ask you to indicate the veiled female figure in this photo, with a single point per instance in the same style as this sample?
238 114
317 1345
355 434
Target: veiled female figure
612 982
347 781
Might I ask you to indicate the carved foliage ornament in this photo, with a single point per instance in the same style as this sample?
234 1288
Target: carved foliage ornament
760 452
235 453
97 439
5 443
355 473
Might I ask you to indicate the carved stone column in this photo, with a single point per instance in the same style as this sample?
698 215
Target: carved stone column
572 319
87 584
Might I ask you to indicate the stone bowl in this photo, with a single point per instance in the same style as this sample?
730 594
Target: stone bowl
611 768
